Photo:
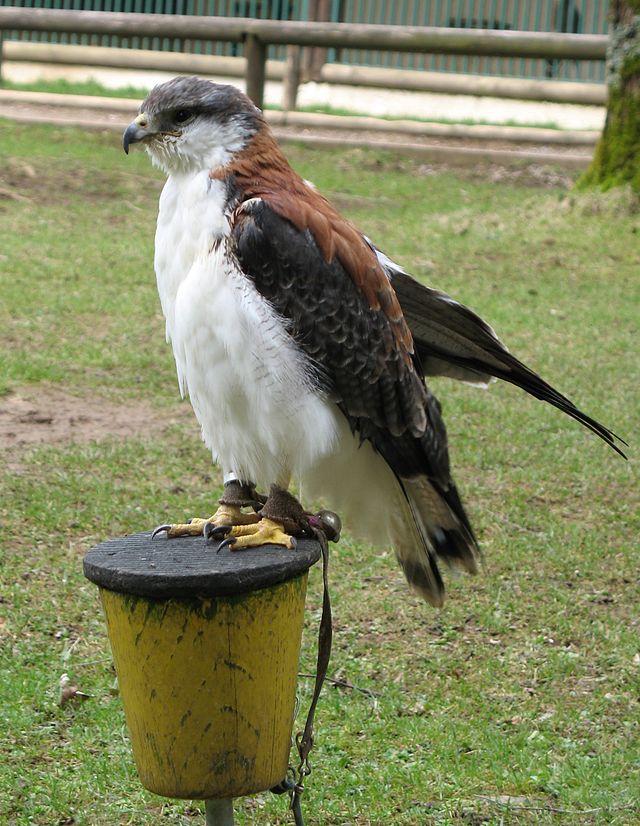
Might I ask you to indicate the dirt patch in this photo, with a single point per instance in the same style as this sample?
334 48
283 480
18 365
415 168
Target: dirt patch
25 182
48 415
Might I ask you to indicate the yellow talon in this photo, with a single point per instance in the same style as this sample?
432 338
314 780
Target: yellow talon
192 528
264 532
225 515
233 515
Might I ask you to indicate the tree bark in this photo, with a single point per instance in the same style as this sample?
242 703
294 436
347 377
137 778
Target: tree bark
617 156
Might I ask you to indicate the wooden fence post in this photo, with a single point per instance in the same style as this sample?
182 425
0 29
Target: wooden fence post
256 53
291 78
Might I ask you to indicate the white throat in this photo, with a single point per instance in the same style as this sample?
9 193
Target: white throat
203 144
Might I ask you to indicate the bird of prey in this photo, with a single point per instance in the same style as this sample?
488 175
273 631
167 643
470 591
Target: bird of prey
304 348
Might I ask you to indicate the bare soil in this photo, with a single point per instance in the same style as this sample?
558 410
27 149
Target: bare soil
28 182
48 415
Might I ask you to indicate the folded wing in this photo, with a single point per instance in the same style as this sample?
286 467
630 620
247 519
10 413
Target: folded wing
451 340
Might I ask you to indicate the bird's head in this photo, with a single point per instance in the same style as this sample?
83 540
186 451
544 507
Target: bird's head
189 124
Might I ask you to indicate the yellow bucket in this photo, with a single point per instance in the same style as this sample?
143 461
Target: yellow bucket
206 650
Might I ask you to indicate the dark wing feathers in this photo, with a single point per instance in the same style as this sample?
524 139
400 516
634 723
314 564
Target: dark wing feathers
352 343
364 368
261 171
447 333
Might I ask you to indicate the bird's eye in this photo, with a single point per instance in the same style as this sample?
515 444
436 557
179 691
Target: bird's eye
183 115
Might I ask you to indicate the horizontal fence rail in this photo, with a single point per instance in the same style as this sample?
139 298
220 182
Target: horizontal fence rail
558 91
407 137
490 42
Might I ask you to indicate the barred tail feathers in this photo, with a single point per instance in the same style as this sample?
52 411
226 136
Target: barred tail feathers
430 526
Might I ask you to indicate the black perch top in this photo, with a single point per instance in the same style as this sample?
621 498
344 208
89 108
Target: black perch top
188 566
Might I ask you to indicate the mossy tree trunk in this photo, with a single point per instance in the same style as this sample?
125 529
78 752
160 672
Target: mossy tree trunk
617 156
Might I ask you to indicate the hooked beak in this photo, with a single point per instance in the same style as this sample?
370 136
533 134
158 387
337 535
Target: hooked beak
137 131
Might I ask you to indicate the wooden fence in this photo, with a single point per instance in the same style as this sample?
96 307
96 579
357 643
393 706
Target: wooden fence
258 34
575 16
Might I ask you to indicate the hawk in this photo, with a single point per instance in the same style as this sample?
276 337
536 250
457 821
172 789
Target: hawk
303 348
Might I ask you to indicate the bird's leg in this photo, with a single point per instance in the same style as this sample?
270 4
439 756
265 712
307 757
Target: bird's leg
282 519
236 496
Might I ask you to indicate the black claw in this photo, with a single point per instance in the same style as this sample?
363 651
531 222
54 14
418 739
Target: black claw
161 529
213 532
226 543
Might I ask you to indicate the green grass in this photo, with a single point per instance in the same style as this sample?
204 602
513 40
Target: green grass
518 702
77 87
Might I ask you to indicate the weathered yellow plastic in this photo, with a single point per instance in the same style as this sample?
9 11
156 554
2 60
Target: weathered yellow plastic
208 687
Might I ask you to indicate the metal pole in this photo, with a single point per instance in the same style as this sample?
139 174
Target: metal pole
219 812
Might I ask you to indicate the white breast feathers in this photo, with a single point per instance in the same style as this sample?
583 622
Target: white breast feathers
252 388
